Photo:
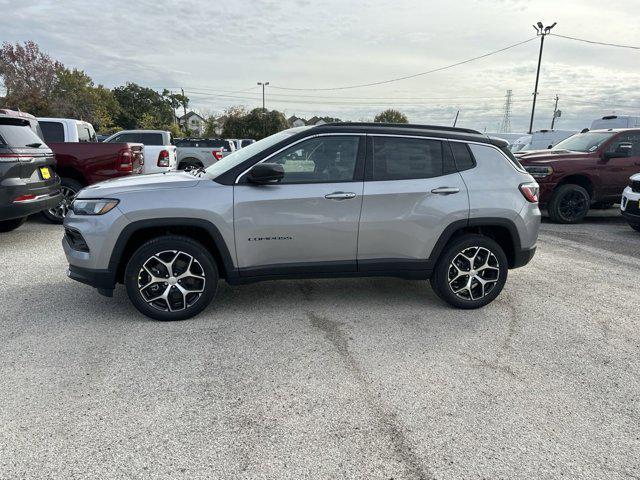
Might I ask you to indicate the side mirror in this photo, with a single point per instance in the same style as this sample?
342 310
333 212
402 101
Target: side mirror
265 173
623 150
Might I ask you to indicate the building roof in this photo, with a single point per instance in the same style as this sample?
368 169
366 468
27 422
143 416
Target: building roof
189 115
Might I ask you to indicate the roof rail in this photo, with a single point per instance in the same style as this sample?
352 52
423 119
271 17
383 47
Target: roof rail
401 125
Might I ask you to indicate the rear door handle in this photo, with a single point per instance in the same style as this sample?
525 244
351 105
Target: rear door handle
445 190
340 196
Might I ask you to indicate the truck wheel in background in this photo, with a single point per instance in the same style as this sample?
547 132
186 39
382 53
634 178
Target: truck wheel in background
189 164
569 204
70 189
8 225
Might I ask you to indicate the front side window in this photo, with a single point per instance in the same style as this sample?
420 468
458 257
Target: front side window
631 137
395 158
323 159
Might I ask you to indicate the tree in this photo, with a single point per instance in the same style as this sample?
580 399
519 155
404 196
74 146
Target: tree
391 116
141 105
258 124
29 77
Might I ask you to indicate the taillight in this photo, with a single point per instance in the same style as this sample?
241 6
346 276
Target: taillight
124 162
217 154
11 157
530 191
163 158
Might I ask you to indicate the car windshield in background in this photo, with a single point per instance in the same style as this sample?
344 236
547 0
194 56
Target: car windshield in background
584 142
239 156
17 133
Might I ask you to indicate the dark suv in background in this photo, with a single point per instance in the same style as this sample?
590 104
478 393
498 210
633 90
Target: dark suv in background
28 181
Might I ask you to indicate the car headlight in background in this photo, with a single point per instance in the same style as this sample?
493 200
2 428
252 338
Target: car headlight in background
93 206
539 172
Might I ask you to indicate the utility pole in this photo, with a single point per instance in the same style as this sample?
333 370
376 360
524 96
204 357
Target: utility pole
556 113
264 110
542 32
184 107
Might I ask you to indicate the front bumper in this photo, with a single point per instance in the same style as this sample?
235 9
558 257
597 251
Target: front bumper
103 280
523 256
630 206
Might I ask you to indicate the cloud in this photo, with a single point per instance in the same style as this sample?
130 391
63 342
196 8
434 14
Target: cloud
214 48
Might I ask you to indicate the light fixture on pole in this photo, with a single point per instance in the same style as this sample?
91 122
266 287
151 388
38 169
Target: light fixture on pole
542 32
263 84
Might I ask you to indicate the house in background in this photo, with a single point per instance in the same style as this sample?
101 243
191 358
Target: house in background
296 121
315 120
193 122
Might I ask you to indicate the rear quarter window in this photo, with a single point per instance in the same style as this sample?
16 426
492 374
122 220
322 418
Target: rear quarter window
463 158
492 157
53 132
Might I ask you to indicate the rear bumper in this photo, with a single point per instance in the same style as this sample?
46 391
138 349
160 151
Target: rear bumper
523 256
43 201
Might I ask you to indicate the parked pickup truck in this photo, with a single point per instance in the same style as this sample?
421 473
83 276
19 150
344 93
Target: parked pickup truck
202 152
589 169
81 161
159 153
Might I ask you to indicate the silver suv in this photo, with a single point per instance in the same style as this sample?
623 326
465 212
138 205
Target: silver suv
338 200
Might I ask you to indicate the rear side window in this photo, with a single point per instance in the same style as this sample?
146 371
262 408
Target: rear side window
17 133
85 133
53 132
148 138
395 158
462 154
491 158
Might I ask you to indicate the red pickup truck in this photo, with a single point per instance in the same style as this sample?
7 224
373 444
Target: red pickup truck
589 169
81 161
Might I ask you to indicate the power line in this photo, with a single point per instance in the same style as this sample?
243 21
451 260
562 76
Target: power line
595 42
406 77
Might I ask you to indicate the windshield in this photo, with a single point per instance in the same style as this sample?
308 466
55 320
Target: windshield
584 142
239 156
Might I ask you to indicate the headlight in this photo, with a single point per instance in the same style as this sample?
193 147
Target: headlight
539 172
93 206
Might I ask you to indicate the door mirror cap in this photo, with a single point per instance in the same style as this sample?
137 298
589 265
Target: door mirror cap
623 150
265 173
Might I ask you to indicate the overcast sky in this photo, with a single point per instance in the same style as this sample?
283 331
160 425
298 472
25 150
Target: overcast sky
225 47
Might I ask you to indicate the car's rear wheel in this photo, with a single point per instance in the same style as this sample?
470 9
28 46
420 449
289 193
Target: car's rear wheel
171 278
569 204
8 225
69 189
471 272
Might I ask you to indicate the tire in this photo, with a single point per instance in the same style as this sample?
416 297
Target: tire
9 225
455 287
70 189
158 256
189 163
636 227
569 204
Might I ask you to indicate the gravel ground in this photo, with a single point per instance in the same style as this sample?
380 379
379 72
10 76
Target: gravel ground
358 378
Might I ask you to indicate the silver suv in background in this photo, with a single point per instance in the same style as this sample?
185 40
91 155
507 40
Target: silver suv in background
338 200
202 152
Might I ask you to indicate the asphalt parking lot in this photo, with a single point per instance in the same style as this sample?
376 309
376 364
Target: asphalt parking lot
357 378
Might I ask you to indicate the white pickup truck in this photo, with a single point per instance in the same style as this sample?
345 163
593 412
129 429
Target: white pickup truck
159 154
59 130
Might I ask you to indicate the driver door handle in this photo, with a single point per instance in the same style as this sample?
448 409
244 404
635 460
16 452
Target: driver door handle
340 196
445 190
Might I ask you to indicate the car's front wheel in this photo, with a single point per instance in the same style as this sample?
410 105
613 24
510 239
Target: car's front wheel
171 278
471 272
569 204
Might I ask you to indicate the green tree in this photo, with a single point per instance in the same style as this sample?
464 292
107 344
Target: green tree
140 105
258 124
29 77
391 116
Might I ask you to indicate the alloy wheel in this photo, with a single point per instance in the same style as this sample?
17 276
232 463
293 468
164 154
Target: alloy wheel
573 205
171 281
473 273
62 209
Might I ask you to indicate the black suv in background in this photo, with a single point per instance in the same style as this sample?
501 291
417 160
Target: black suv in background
28 181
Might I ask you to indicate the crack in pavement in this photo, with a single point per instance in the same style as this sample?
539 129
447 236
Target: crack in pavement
388 421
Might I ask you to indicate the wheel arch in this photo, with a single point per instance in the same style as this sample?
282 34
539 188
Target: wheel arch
202 231
502 230
584 181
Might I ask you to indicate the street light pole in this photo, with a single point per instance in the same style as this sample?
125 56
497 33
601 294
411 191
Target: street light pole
264 110
542 32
